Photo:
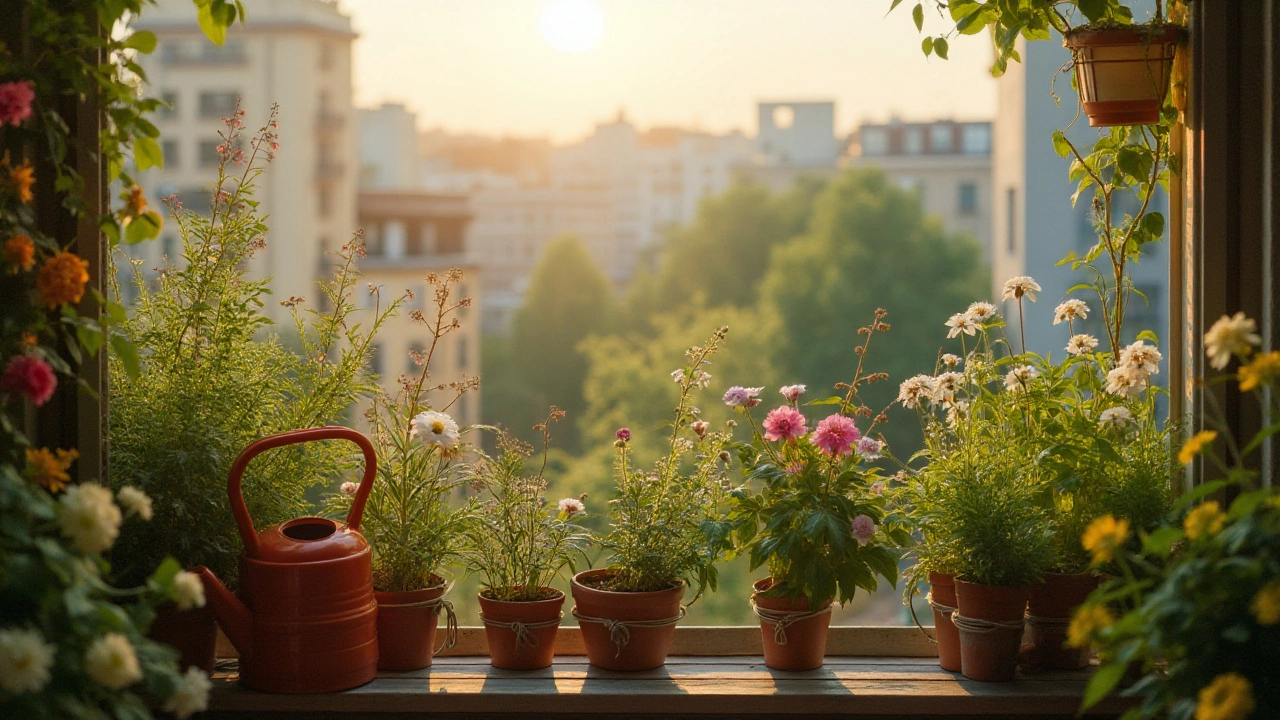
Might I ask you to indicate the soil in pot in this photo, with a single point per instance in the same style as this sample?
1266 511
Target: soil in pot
1049 609
407 624
193 633
522 634
990 620
794 633
942 597
625 630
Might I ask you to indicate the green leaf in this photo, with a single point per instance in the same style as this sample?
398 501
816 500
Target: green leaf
1153 222
1060 144
147 153
917 14
1149 336
1193 495
128 354
144 227
1102 683
1161 541
940 47
215 16
144 41
927 46
893 5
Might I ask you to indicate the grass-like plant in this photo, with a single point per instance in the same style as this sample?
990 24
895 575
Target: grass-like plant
515 543
215 376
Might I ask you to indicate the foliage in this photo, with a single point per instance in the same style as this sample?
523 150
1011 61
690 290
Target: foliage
214 380
1197 607
666 524
817 519
413 529
513 542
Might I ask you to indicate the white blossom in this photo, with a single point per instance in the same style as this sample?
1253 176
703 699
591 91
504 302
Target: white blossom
961 323
1082 344
1116 417
946 385
1127 381
914 389
957 412
981 311
792 392
112 662
951 361
1069 310
191 696
435 428
25 660
570 507
88 517
135 501
1143 356
188 591
1017 378
1235 335
1015 288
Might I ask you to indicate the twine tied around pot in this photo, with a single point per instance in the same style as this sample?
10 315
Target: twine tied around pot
620 630
523 630
782 619
436 605
978 625
1047 623
939 607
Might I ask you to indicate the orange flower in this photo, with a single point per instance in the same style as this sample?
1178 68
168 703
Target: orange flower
20 252
30 338
49 470
22 178
136 204
62 279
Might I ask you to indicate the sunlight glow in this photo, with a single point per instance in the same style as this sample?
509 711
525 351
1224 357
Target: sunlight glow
572 26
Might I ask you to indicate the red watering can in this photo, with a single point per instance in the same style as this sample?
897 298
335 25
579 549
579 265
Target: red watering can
308 619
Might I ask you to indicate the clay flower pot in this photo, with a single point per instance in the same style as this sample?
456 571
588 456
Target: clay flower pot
942 597
1122 74
794 633
521 635
1049 609
990 620
625 630
407 626
193 633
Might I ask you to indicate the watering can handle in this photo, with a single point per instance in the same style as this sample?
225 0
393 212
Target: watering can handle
293 437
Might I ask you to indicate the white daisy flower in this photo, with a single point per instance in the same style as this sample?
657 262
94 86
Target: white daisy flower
946 385
1082 344
112 662
135 501
188 591
1143 356
435 428
981 311
1017 378
1236 335
191 696
25 660
88 517
950 360
1015 288
1127 381
1069 310
1116 417
914 389
961 323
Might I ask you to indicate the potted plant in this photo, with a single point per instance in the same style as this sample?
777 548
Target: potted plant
666 533
213 376
412 527
813 513
518 546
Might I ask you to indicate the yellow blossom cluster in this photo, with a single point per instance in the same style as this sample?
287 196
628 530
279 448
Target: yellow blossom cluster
1228 697
1262 368
1104 537
1265 606
1088 621
1195 445
1204 521
48 468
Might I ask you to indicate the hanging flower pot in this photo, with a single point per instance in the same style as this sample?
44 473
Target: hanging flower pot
793 631
193 633
521 634
990 620
407 623
625 630
942 598
1049 609
1122 73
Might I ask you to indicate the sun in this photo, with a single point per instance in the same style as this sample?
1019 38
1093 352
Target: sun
572 26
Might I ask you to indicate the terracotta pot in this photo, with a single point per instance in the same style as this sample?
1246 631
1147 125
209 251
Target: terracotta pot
942 591
1049 609
407 627
193 633
798 644
512 645
1122 74
990 621
627 645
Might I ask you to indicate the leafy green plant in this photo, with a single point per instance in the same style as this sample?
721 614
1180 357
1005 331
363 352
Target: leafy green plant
514 542
667 524
214 378
813 509
410 523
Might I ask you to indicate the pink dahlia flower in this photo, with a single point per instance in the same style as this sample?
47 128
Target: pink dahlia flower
869 448
864 528
623 434
30 376
15 102
836 435
784 423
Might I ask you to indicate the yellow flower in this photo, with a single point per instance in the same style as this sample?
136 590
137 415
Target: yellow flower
1265 606
1262 368
20 177
1207 519
1228 697
1195 444
20 252
49 470
1088 620
1104 537
62 279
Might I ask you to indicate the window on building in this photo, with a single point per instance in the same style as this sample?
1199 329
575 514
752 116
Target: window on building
170 108
209 155
170 150
324 201
215 105
198 199
976 139
913 141
463 351
968 198
940 139
1011 217
168 246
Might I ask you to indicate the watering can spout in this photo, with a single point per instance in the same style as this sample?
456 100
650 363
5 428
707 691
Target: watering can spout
235 619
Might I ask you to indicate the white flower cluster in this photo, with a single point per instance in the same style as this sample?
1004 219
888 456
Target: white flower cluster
1070 310
191 696
915 389
435 428
1138 362
1018 378
89 518
1235 335
25 661
701 378
1116 418
1015 288
970 321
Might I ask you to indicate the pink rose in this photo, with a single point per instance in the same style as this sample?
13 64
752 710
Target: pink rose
836 435
15 102
30 376
784 423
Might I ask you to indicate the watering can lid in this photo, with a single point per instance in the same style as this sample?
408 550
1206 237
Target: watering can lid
309 539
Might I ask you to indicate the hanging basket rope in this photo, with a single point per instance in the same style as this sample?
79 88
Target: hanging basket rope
436 605
978 625
781 619
620 630
523 630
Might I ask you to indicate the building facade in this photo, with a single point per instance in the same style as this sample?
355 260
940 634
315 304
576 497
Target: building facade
296 53
387 137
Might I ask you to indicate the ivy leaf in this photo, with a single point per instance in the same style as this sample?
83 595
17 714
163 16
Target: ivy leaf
1094 10
917 14
147 153
940 47
1060 144
144 41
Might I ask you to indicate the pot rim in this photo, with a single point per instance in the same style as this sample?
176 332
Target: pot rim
559 595
438 584
600 571
1132 35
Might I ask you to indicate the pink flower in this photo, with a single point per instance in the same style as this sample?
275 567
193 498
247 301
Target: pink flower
623 434
792 392
570 507
864 528
30 376
877 487
784 423
869 448
348 488
738 396
15 102
836 435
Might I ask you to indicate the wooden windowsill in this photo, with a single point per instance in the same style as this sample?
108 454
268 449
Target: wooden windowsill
707 685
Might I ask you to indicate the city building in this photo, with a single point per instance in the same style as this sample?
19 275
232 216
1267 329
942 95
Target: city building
794 139
948 163
296 53
409 235
388 147
1035 226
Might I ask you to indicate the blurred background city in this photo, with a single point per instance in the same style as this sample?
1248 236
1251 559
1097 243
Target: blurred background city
618 178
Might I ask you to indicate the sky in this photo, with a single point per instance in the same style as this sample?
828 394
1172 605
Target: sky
556 67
